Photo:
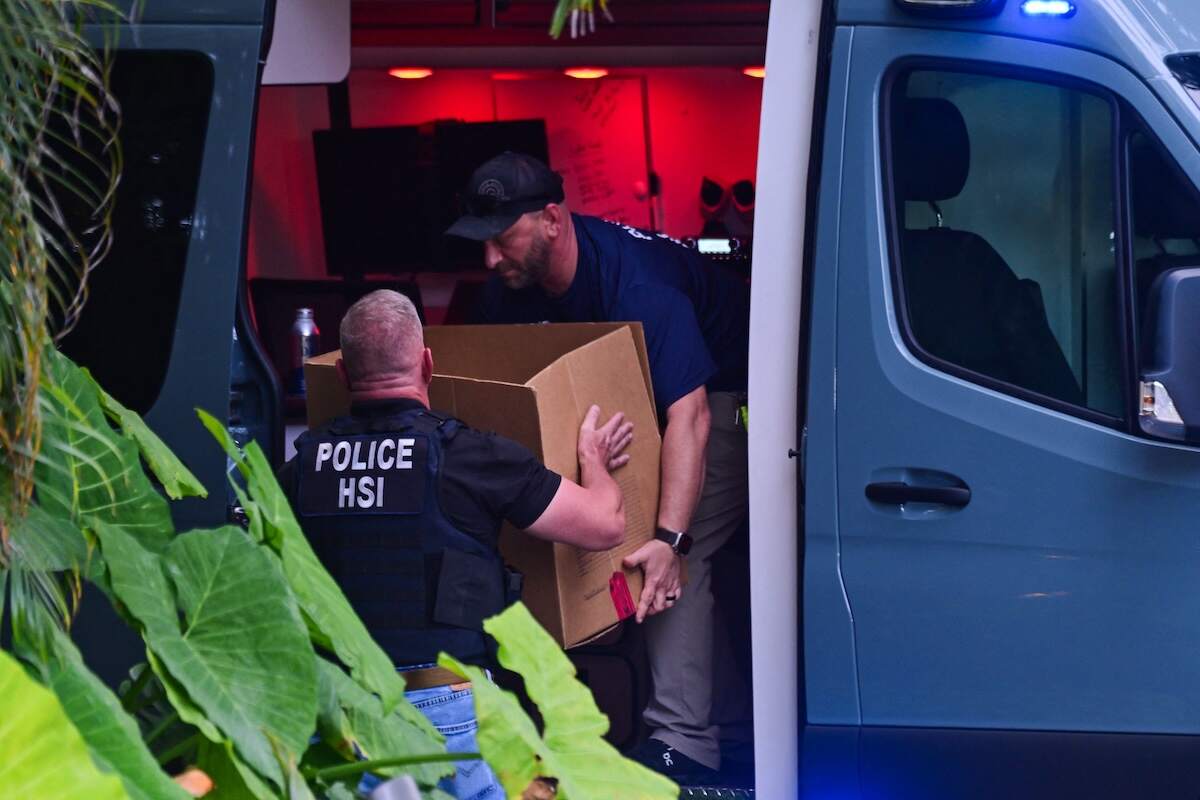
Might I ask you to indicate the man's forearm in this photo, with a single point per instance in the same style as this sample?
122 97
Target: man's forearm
601 486
684 443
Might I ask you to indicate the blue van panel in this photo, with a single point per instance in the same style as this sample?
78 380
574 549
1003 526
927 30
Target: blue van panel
830 674
1064 596
201 12
1136 33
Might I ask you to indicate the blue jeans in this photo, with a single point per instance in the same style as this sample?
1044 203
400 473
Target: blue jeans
453 714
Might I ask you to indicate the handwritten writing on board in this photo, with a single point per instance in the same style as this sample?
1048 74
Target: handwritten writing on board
597 136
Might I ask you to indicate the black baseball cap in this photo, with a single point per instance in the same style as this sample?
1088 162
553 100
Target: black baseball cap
500 191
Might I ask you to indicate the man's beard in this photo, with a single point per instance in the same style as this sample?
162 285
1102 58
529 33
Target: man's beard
535 267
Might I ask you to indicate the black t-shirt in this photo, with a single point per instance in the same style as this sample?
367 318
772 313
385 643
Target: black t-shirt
485 478
695 314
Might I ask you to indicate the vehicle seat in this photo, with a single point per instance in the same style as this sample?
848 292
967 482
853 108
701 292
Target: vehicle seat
965 304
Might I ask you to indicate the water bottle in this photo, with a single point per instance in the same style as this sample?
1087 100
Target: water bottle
306 343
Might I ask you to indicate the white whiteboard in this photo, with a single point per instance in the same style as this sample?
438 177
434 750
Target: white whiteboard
597 132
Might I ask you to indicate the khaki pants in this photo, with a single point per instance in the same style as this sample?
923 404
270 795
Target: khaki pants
687 647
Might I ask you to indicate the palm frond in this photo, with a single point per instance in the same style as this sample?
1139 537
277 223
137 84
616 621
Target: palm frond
59 167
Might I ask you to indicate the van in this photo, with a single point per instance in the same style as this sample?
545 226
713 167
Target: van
972 519
975 426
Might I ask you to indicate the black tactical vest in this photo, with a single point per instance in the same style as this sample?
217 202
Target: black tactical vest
367 497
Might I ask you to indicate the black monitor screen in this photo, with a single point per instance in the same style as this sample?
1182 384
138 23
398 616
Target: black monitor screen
388 194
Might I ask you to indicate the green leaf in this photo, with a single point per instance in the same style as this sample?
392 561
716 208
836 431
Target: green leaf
48 555
297 786
39 603
572 748
42 755
340 791
88 470
176 479
232 779
242 656
332 724
507 737
561 10
328 612
111 734
177 696
381 735
48 543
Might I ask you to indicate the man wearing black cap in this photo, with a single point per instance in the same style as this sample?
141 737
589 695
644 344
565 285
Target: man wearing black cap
560 266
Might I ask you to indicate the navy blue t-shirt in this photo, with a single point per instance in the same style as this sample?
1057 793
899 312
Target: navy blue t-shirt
695 314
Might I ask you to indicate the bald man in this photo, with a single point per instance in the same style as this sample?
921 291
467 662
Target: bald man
404 505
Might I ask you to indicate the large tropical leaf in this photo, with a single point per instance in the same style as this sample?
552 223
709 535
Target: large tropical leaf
332 724
88 470
332 620
572 747
242 654
232 779
507 737
42 755
177 481
178 698
110 733
381 735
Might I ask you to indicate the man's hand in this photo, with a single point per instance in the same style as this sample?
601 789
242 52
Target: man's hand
661 586
604 445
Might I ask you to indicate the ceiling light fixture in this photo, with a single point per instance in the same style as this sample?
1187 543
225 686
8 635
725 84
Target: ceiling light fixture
586 73
410 73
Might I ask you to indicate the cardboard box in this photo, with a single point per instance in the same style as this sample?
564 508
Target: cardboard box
534 383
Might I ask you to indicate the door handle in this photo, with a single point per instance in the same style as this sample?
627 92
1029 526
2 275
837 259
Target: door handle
897 492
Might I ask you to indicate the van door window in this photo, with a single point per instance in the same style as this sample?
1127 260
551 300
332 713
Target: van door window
125 333
1166 218
1004 205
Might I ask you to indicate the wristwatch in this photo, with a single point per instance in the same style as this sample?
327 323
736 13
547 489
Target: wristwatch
680 542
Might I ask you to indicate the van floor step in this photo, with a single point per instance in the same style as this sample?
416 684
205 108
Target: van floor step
715 793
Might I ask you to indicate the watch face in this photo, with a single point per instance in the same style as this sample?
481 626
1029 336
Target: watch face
679 542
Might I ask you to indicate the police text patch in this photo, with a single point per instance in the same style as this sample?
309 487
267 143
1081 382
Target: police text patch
374 474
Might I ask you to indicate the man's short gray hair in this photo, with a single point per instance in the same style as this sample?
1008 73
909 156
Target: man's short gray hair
381 336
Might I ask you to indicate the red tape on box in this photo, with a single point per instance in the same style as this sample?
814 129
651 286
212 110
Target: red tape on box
622 599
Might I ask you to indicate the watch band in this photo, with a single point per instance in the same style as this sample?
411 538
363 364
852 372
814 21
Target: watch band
679 541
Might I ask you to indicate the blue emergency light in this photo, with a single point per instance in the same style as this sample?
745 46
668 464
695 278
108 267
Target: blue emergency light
952 8
1047 8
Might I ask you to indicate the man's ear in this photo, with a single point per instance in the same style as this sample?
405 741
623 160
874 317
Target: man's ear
427 366
552 217
341 371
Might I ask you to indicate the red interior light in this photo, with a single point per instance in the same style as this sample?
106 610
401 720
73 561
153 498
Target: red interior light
511 76
586 73
755 72
410 73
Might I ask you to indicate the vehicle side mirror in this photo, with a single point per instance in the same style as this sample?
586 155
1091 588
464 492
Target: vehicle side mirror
1170 386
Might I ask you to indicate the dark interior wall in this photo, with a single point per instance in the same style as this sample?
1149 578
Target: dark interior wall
703 121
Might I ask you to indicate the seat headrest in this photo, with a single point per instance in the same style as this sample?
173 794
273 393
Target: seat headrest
932 149
1164 207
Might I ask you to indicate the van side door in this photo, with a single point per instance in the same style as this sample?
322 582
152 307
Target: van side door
1015 554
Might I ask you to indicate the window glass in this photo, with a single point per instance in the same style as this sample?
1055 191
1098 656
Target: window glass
1004 191
127 327
1166 218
